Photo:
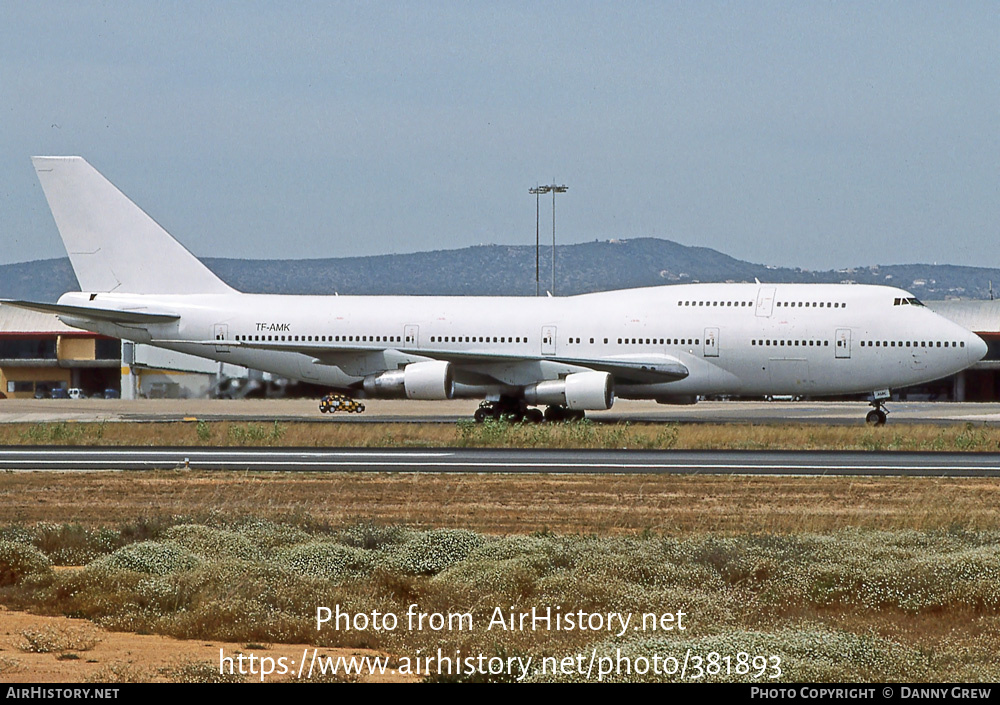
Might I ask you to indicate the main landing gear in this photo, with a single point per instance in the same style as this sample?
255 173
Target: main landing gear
876 417
515 410
561 413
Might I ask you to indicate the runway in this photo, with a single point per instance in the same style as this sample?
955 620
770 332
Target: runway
506 461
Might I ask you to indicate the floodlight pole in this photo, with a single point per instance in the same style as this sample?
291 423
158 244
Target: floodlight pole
554 189
536 191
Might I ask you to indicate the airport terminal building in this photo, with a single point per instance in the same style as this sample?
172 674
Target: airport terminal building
38 353
981 382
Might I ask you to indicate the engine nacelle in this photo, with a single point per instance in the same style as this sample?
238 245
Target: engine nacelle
418 380
578 391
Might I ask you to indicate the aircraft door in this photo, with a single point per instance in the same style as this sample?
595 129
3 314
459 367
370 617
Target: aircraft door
221 335
411 335
843 349
711 342
548 340
765 301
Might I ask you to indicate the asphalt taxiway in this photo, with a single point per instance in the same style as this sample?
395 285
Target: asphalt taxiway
405 411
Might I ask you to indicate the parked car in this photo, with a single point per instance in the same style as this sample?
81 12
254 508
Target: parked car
75 393
59 393
111 393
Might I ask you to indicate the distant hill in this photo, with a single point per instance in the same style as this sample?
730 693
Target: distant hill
498 270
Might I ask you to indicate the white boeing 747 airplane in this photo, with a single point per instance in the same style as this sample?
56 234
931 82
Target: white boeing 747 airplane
570 354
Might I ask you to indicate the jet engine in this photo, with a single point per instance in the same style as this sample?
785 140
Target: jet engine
579 391
418 380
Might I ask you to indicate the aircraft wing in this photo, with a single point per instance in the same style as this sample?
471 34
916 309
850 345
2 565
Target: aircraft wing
97 314
361 360
647 370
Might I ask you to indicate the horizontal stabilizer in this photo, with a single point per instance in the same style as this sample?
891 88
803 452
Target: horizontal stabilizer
95 314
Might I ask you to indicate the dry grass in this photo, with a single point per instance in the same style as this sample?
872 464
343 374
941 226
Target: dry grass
48 640
9 666
671 505
967 437
120 672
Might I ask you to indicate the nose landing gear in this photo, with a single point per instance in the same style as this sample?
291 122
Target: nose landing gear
877 416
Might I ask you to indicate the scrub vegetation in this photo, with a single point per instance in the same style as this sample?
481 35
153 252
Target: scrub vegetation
503 434
845 605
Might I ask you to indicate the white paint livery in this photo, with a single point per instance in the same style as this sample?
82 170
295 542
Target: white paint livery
669 343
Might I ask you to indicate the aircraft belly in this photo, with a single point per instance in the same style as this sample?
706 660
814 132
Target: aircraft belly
790 376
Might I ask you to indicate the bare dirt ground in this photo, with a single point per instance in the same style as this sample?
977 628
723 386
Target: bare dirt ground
118 656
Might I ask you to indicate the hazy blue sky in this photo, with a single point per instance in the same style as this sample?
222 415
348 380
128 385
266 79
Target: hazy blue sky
802 133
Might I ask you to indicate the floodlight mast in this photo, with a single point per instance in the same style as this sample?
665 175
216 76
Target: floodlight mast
537 191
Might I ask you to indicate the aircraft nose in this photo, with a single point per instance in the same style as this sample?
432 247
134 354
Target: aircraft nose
977 349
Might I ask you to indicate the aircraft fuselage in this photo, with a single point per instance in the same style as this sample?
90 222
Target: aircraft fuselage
746 339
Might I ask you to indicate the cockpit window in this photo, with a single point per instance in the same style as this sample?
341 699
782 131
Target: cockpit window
911 301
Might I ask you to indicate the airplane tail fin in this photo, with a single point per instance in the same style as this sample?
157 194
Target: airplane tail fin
112 244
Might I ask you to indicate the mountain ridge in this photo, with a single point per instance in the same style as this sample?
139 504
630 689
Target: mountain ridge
498 270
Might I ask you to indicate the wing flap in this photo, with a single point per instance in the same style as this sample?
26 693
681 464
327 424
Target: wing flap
510 369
